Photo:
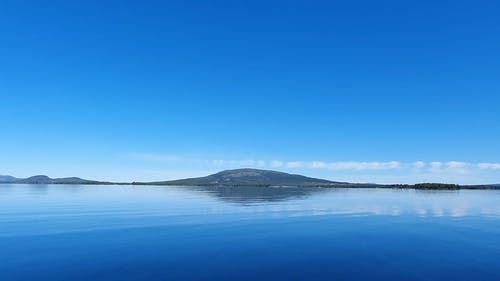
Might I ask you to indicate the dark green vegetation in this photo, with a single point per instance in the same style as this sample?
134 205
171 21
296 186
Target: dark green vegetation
251 178
442 186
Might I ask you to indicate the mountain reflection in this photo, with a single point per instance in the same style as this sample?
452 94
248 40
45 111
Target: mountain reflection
259 194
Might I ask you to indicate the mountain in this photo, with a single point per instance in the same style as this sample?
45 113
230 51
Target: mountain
8 178
250 177
42 179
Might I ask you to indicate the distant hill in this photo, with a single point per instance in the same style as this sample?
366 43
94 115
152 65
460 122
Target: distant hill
42 179
250 177
247 178
7 178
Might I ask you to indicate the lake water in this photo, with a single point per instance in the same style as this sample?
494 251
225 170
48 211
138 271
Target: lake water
64 232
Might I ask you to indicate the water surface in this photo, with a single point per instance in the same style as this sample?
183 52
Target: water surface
71 232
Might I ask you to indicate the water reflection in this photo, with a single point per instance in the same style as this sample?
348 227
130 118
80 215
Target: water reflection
296 201
162 233
428 192
139 201
259 194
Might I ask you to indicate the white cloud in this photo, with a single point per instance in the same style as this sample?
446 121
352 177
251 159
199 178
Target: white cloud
295 164
456 165
418 164
363 165
352 165
450 167
436 165
276 164
319 165
489 166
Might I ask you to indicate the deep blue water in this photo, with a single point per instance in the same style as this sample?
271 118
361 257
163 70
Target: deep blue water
57 232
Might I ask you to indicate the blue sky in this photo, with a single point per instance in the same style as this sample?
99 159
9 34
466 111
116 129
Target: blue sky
364 91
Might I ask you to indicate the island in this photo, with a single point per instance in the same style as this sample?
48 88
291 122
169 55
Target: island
247 177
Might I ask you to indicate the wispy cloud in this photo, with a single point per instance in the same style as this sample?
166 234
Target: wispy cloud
417 166
451 166
489 166
295 164
276 164
456 165
350 165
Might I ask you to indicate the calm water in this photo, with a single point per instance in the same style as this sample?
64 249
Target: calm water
178 233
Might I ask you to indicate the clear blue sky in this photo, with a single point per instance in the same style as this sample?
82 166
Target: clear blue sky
372 91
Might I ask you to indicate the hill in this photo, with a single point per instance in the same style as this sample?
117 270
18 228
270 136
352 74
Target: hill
4 178
42 179
250 177
247 177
